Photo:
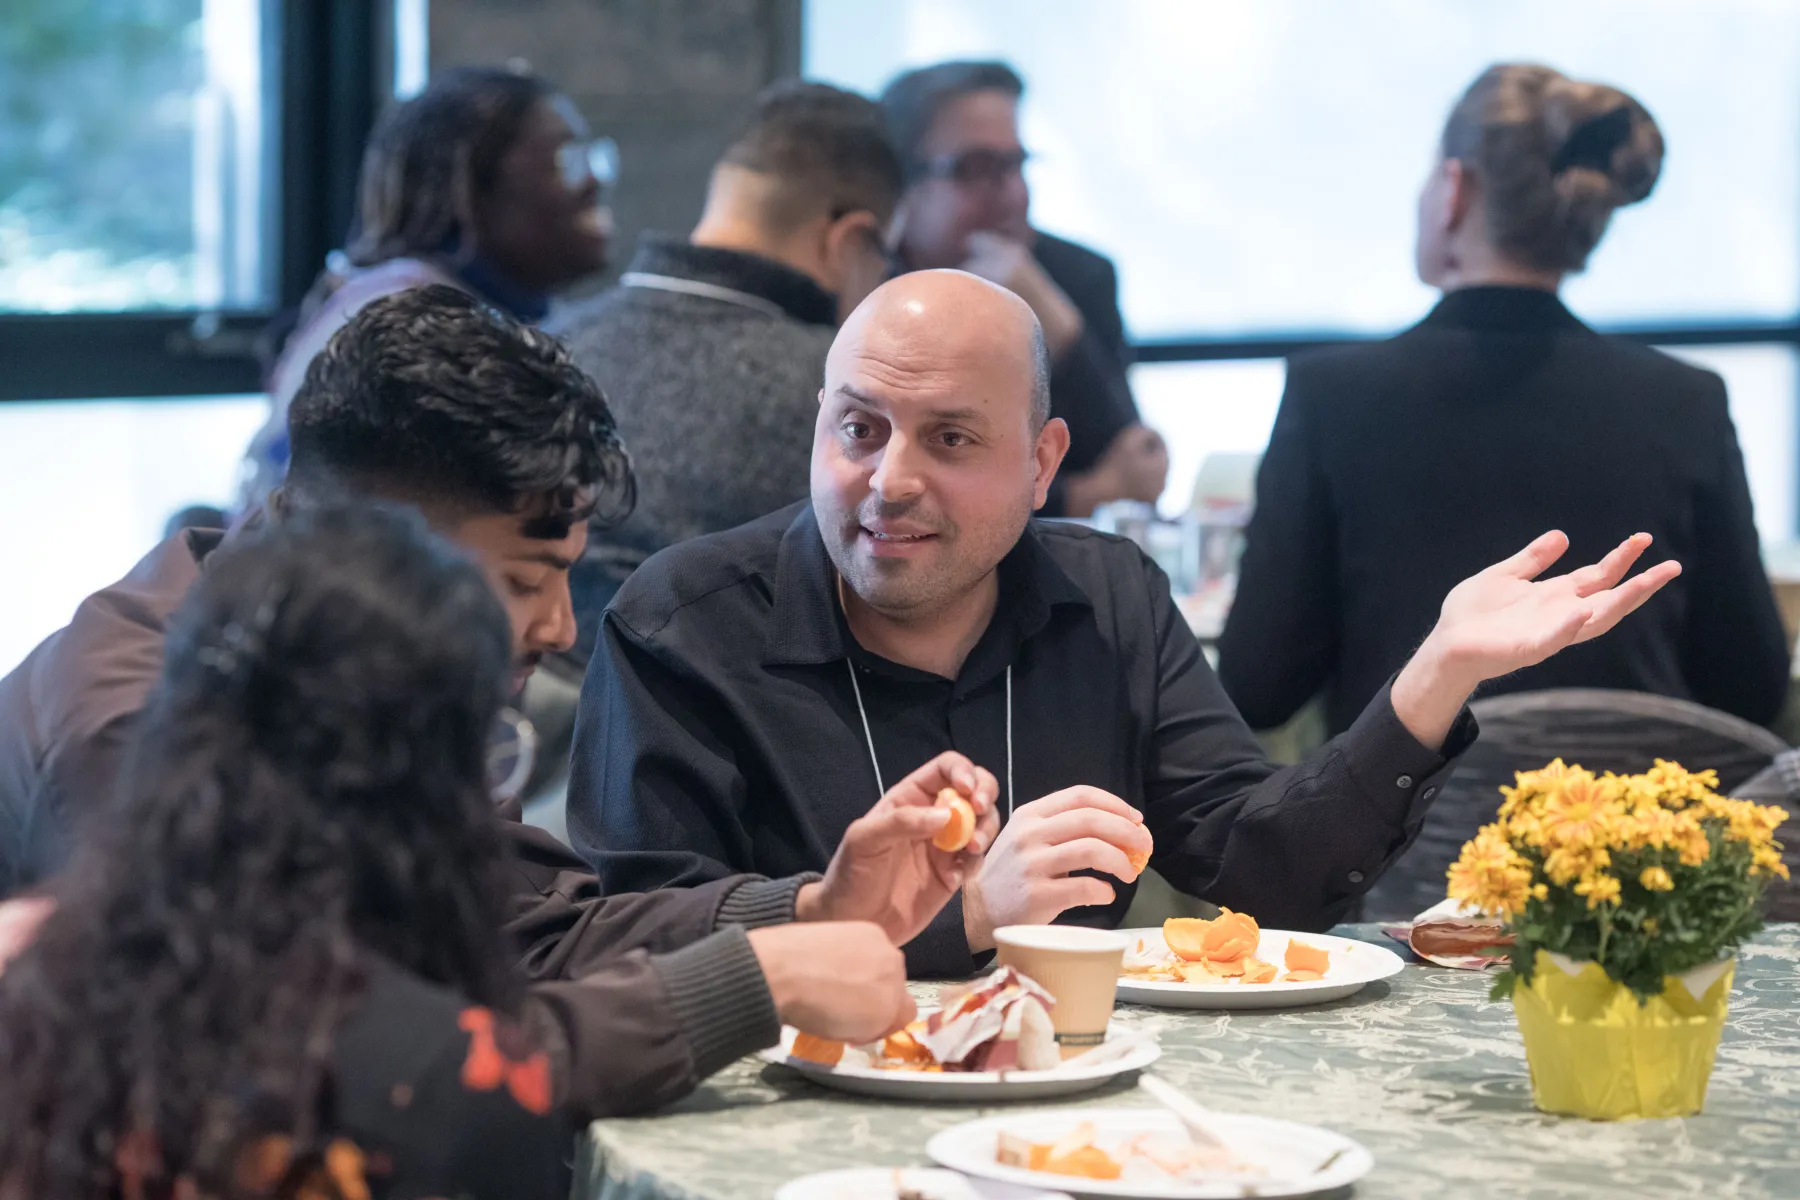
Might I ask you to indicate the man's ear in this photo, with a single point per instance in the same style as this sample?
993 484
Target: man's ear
1052 444
1459 194
278 505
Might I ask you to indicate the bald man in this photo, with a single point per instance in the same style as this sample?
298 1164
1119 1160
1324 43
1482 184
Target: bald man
755 690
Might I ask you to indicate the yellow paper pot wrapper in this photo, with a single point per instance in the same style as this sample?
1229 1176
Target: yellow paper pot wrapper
1595 1052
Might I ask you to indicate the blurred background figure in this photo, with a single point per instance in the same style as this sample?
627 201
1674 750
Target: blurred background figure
956 128
711 351
487 181
1398 467
280 944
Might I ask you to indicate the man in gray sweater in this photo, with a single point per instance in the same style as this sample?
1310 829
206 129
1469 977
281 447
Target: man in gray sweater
711 351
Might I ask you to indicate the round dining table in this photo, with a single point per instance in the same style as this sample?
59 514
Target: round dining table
1423 1069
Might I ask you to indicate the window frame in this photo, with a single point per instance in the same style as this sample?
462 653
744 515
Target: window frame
326 62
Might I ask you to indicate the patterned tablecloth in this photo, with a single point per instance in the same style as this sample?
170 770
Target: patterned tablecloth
1421 1069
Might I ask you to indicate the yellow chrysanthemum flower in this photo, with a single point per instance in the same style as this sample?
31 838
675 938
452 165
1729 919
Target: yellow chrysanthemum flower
1656 879
1599 888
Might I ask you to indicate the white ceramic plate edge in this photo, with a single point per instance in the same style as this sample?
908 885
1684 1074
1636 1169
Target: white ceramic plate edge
968 1147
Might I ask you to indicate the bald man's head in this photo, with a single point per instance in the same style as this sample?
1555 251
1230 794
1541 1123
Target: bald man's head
944 304
934 442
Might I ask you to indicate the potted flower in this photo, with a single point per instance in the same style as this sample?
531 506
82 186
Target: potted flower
1627 897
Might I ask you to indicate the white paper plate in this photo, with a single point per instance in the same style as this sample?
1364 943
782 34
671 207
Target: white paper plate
884 1183
974 1086
1292 1153
1353 965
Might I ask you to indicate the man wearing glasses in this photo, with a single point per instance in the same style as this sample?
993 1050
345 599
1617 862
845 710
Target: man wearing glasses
955 126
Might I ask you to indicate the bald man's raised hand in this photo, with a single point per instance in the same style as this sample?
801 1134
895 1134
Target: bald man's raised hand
1506 619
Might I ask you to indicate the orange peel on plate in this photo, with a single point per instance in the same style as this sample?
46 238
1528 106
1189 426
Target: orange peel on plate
960 827
1302 957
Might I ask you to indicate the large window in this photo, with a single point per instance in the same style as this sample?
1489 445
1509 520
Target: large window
87 487
171 175
135 159
1252 166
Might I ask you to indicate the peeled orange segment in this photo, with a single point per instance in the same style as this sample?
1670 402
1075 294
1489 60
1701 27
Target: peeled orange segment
1304 957
1141 858
1302 977
960 827
824 1051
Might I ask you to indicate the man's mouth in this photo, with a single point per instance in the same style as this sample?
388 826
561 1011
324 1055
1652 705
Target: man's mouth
895 543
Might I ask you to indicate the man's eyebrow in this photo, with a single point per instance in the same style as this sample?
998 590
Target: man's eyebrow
846 392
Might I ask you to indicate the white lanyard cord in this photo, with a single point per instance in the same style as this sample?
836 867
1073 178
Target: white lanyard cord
869 738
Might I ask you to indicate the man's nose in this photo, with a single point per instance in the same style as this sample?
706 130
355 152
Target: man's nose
898 477
553 630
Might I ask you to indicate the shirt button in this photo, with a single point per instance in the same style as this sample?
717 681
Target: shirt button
1356 877
1405 781
1430 792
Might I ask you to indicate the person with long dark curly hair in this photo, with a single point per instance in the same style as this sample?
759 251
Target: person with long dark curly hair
431 399
279 961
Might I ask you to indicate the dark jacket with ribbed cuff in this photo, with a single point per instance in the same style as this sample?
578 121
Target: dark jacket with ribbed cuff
627 989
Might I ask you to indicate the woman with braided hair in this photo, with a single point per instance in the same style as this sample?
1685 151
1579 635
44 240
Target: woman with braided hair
277 969
486 181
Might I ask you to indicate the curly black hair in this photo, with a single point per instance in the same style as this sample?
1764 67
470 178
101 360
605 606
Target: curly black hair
430 395
309 790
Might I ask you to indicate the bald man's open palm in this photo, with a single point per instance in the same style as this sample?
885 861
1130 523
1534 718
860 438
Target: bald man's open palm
1506 619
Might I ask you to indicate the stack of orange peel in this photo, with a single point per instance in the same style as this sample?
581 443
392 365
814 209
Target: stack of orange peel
1224 949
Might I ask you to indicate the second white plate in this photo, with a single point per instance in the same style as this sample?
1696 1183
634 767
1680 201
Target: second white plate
971 1086
1300 1160
1354 965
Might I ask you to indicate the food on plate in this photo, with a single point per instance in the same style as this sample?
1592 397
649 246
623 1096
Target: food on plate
1305 962
1143 1158
1000 1023
1222 950
824 1051
960 827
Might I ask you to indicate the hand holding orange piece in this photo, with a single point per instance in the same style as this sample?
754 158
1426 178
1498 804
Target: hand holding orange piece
960 827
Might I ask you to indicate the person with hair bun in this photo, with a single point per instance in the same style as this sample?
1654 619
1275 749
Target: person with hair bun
1396 468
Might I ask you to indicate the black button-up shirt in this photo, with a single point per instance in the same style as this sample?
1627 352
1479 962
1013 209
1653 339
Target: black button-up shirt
719 731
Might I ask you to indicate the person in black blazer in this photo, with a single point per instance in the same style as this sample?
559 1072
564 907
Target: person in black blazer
955 126
1397 468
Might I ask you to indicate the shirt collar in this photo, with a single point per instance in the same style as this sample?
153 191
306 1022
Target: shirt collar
1503 310
795 293
805 625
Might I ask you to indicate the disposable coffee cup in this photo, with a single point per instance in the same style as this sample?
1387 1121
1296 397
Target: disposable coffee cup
1080 967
